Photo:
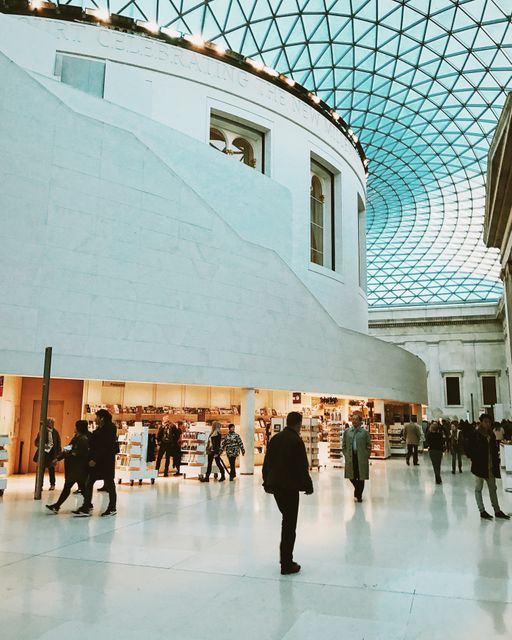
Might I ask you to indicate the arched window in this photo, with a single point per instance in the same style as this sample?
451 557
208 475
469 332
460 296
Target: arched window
244 151
317 221
217 140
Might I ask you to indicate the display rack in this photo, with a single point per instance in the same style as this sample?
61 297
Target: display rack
396 439
193 449
309 434
506 460
334 440
131 462
380 441
4 458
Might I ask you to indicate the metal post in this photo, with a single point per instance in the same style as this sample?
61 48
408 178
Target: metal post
42 422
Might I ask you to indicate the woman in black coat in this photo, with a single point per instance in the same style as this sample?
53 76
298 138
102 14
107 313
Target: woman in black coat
103 448
436 446
76 459
213 449
52 448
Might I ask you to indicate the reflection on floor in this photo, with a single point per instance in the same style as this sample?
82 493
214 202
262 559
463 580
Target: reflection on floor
186 561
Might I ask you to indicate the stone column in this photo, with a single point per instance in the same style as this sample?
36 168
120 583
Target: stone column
247 431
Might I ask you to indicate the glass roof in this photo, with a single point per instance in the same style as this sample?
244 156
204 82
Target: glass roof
422 83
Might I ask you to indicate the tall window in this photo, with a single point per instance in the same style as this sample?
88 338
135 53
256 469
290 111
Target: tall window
322 248
452 388
489 390
361 221
317 221
242 142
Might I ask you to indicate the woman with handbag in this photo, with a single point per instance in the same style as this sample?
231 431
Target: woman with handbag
213 448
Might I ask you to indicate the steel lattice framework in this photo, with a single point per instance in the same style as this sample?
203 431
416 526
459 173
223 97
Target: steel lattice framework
422 83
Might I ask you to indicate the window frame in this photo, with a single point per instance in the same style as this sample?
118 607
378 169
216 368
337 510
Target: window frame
459 376
489 374
326 178
238 128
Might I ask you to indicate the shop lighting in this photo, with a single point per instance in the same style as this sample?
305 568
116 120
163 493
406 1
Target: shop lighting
271 72
39 5
256 64
289 81
195 39
219 48
101 14
150 27
170 32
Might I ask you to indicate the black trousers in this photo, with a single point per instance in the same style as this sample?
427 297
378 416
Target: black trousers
412 450
218 462
456 457
176 459
232 466
288 504
68 485
164 449
110 488
51 474
356 481
436 457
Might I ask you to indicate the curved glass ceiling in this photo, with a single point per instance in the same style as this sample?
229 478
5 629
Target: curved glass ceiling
422 83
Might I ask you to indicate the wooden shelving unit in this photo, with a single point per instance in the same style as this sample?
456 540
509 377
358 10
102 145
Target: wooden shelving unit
380 441
334 439
309 435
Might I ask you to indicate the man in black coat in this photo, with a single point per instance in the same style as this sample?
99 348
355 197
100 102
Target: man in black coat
285 474
485 465
103 448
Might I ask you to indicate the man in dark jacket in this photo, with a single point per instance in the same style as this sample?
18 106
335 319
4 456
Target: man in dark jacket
285 474
52 448
485 465
103 448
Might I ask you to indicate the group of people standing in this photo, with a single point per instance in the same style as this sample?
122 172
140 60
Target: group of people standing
90 456
232 444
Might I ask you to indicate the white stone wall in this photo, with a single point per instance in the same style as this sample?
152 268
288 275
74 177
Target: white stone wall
464 339
112 258
178 88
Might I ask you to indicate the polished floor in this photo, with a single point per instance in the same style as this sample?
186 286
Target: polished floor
186 561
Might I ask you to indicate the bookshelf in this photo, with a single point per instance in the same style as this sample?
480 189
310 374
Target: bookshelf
131 462
380 441
396 439
4 458
309 435
193 449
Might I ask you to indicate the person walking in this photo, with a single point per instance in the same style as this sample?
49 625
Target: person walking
52 448
175 447
356 446
485 466
103 448
76 458
412 435
456 445
164 439
285 475
233 445
436 447
213 451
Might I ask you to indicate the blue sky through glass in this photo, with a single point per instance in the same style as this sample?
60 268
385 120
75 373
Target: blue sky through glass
422 83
